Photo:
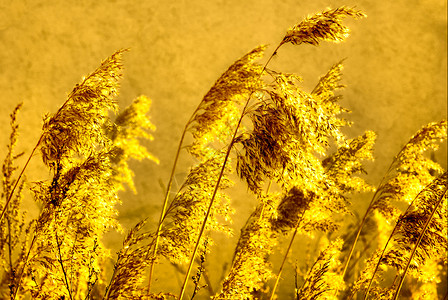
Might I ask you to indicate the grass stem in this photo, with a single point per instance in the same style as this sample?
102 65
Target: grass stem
229 148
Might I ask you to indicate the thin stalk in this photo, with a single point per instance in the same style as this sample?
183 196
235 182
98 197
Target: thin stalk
229 148
11 194
303 284
387 243
296 281
10 248
364 219
221 173
24 266
107 291
381 185
71 256
206 277
209 284
400 284
279 273
165 203
377 266
366 248
37 231
369 209
92 273
358 233
62 266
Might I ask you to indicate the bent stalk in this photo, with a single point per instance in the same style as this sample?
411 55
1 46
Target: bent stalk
165 203
284 259
229 148
11 194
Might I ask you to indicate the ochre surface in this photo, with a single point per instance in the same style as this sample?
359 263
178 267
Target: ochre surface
395 70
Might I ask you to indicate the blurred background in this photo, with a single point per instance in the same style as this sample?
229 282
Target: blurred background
395 72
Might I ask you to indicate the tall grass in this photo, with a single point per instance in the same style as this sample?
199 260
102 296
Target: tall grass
288 147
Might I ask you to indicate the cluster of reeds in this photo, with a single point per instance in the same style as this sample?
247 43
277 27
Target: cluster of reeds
286 144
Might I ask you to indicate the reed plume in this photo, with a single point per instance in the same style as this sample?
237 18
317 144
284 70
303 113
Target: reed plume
250 268
405 180
323 277
291 126
63 246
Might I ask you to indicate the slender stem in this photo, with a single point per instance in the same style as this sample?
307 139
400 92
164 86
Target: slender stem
364 219
165 203
107 292
92 272
9 246
367 246
352 249
377 266
305 281
37 231
206 277
400 284
18 178
62 266
11 194
221 173
390 237
24 266
72 255
382 183
279 273
229 148
296 281
270 58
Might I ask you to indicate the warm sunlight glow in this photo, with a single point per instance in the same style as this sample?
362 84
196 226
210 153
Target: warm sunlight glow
257 128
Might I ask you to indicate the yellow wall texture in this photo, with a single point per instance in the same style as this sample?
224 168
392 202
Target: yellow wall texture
395 69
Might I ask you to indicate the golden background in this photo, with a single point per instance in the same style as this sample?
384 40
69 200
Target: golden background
395 70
